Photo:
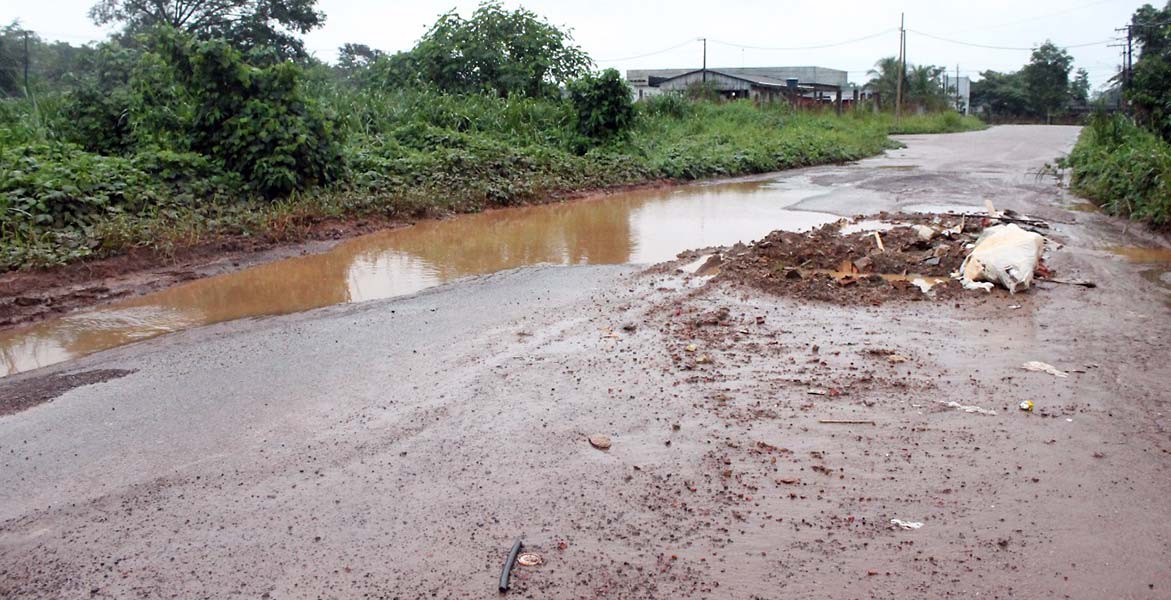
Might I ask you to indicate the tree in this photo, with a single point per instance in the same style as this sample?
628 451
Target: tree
496 50
352 57
604 105
925 87
51 64
1001 94
1079 89
1149 87
249 25
1046 79
884 80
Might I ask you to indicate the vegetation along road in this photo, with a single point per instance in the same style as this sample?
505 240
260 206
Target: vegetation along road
773 431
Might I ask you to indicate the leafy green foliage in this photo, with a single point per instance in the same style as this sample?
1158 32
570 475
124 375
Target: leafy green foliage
1046 79
97 110
256 120
1001 94
604 106
1150 86
61 186
1124 168
506 52
262 27
923 85
52 65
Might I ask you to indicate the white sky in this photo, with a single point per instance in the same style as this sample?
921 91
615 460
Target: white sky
611 30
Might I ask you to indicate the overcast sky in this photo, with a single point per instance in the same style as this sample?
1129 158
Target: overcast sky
619 33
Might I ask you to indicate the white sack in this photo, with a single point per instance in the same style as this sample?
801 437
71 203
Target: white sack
1005 255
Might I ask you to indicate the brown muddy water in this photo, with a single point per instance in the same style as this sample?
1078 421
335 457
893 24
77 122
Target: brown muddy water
645 226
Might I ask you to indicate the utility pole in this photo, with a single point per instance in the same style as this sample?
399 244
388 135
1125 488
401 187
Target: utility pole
26 94
704 70
902 66
964 109
1127 63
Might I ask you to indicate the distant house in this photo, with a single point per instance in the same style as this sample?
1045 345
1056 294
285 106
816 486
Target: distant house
959 89
805 84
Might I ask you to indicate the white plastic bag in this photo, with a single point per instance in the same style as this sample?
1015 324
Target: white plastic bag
1004 255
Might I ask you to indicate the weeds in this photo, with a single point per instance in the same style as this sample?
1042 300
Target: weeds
1123 168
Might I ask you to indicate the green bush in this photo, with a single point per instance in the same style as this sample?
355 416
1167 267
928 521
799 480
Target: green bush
258 121
603 105
1123 168
61 186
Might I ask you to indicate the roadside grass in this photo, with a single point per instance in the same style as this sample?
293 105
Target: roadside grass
946 122
409 154
1123 168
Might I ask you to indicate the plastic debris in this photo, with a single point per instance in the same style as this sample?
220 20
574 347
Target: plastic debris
1026 405
969 409
1006 255
1038 366
908 525
529 559
923 285
600 441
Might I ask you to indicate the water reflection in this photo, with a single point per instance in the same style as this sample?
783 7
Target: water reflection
635 227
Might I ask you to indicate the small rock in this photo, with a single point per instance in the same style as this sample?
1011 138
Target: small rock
864 264
600 441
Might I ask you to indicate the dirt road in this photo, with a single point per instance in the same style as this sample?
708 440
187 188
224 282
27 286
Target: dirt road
395 449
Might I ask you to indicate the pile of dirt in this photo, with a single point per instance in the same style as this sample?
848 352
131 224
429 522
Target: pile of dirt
842 264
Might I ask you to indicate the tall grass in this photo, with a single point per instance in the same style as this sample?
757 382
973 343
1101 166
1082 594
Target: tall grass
1123 168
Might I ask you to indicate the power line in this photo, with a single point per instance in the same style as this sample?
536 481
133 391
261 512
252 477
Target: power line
1034 18
814 47
656 52
991 47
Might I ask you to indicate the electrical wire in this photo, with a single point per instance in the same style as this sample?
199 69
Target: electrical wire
1035 18
814 47
656 52
990 47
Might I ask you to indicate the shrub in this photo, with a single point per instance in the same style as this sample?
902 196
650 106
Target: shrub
603 106
258 121
1123 168
61 186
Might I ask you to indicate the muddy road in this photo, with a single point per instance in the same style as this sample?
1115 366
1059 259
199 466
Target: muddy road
396 448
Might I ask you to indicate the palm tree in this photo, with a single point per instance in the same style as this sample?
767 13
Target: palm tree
884 80
925 87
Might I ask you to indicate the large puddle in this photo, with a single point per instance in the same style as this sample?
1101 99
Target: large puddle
646 226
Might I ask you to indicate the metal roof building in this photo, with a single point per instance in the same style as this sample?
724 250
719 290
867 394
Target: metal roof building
758 83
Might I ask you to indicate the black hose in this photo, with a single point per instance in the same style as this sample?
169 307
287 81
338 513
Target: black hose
507 571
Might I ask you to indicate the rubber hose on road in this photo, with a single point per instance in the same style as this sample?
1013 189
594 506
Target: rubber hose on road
507 571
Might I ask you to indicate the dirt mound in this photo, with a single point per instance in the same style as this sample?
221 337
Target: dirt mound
903 257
